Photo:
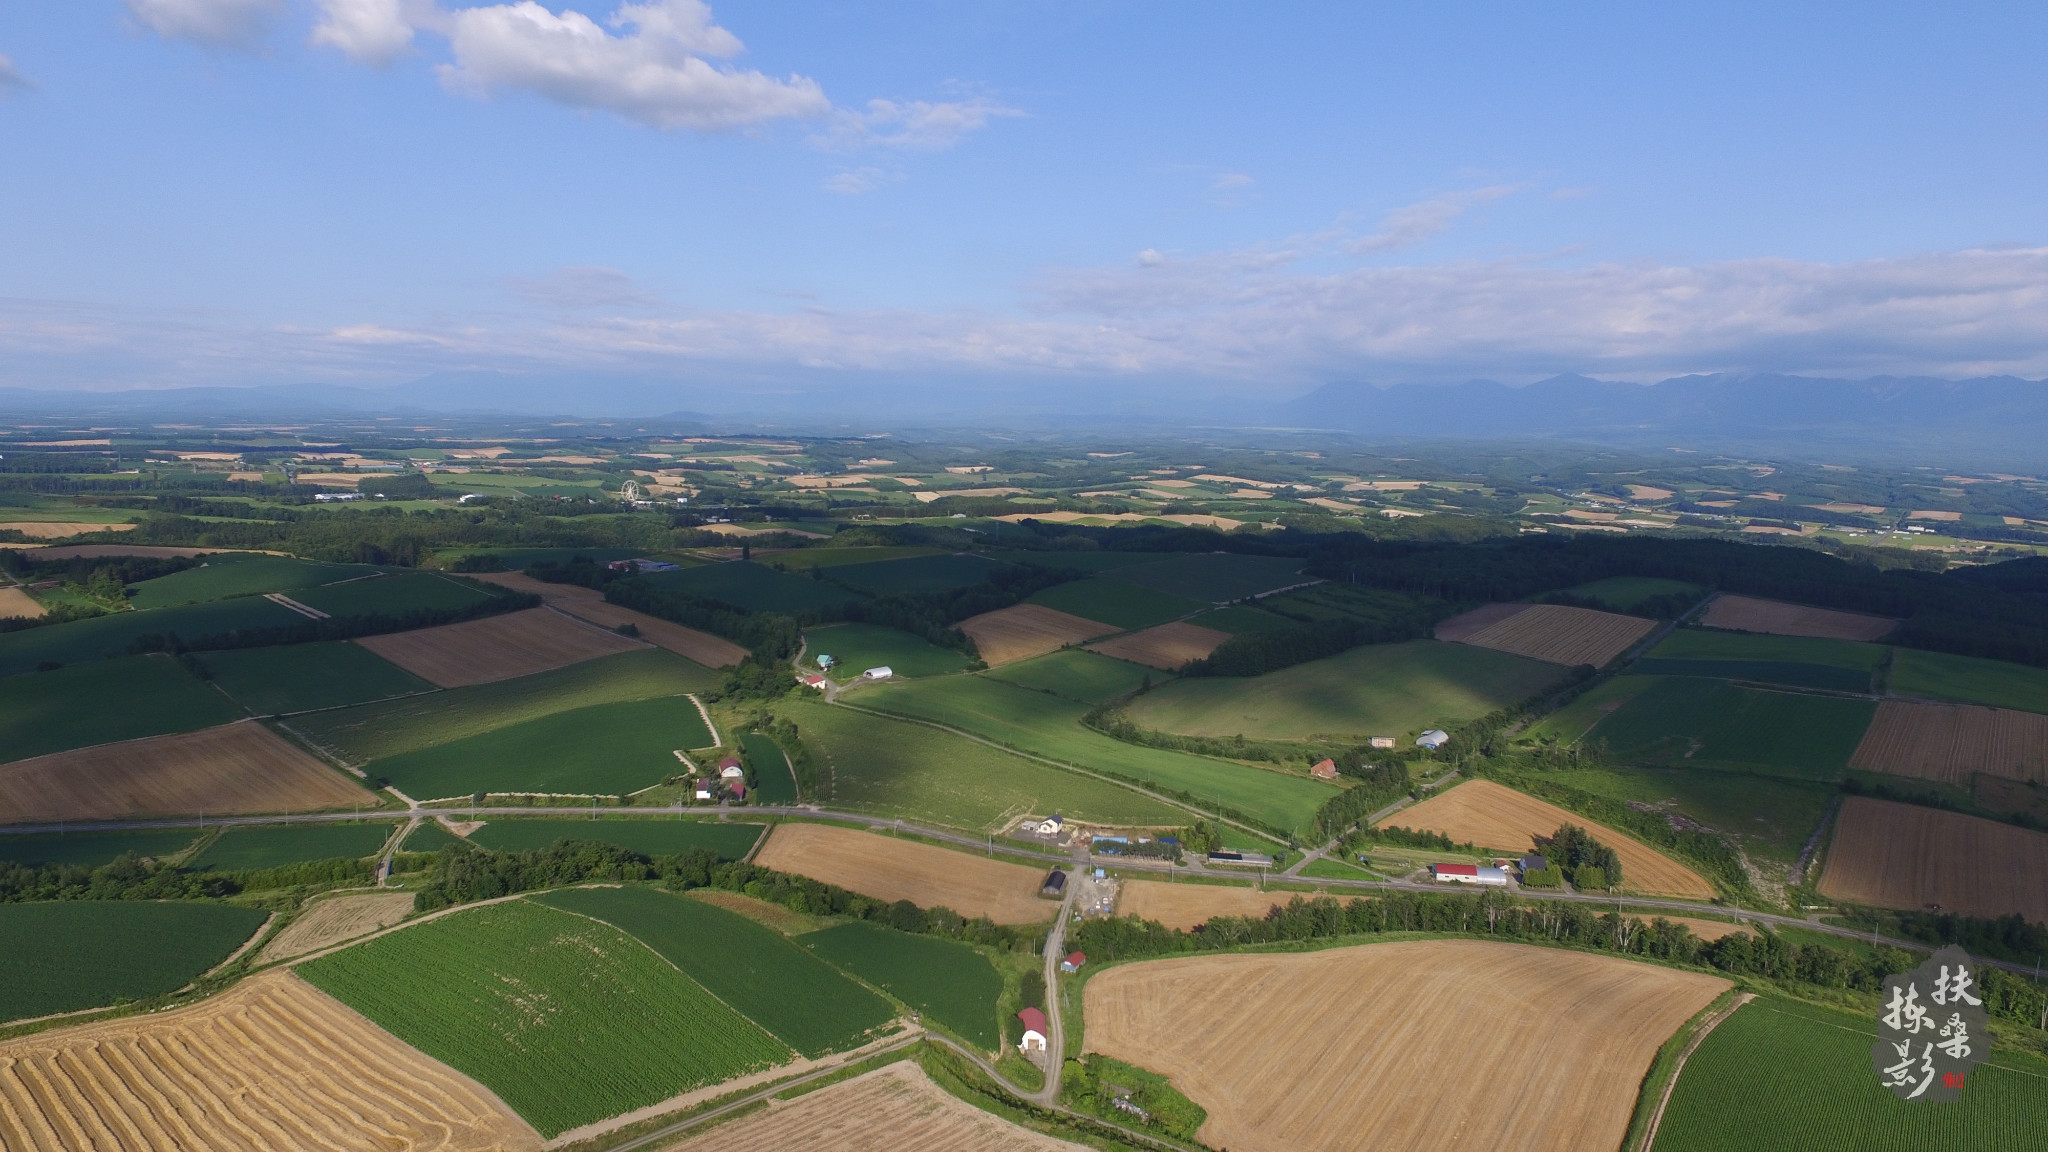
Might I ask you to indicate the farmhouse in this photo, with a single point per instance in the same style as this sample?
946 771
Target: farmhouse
1324 769
1433 739
818 682
1534 864
1468 874
704 788
1073 962
1034 1030
881 673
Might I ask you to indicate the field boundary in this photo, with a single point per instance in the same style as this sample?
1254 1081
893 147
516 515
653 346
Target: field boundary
1700 1032
708 725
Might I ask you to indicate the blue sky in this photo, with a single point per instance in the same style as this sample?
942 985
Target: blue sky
1248 198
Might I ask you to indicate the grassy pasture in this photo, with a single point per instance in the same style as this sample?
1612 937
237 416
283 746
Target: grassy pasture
755 587
1685 721
1213 576
568 1020
82 640
1783 1075
604 749
240 574
1076 674
1623 593
1112 602
392 595
1241 621
92 849
916 574
875 764
241 849
773 782
372 731
856 647
1570 723
104 701
1079 561
645 835
516 558
427 836
798 998
945 980
300 677
829 556
1969 680
1374 690
1051 727
64 956
1771 817
1799 661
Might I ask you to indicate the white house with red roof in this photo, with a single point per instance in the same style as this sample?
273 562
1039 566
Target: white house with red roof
1073 962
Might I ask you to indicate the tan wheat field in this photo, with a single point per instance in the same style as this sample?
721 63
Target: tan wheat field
1906 856
496 647
1027 630
234 769
1185 905
1167 646
882 866
334 919
892 1109
1562 634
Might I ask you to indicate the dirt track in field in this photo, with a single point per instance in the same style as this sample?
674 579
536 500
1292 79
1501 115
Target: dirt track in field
1422 1045
1953 742
892 869
1562 634
1776 618
334 919
1906 856
1185 905
234 769
270 1064
892 1109
1489 815
1167 646
496 647
1028 630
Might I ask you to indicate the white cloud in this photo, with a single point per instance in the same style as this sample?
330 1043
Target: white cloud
586 286
11 79
912 124
373 32
859 181
1405 227
655 74
218 23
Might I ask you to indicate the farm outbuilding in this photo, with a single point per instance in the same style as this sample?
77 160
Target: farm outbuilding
1469 874
1324 769
1382 742
879 673
1073 962
731 770
1055 884
1534 864
1433 739
1034 1030
704 789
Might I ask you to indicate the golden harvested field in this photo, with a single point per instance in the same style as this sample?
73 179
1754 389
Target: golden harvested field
892 1109
1185 905
1906 856
552 593
892 869
1952 742
58 529
1167 646
1563 635
1028 630
334 919
1423 1045
15 602
1749 614
1493 816
496 647
234 769
1461 628
269 1064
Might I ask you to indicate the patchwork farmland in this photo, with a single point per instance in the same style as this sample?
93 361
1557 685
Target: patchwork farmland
332 920
1750 614
1953 742
496 647
1905 856
1165 646
1028 630
886 1110
1555 633
229 770
946 981
893 869
1184 906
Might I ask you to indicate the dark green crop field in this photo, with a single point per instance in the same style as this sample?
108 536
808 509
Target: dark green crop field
1123 605
857 647
93 849
393 595
104 701
1797 661
83 640
77 954
1623 593
232 574
300 677
646 835
1241 621
602 749
774 783
427 836
916 574
798 998
1700 723
1213 576
242 849
755 587
1079 561
1077 674
1969 680
945 980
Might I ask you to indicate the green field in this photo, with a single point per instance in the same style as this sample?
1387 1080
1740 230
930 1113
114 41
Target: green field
1569 724
83 640
75 954
516 558
104 701
568 1020
798 998
1799 661
1969 680
1213 576
1623 593
1048 726
92 849
945 980
1684 721
1783 1075
427 836
855 648
1241 621
604 749
371 731
645 835
393 595
876 764
1110 602
1077 674
300 677
1375 690
1079 561
240 574
832 556
243 849
1772 817
774 783
755 587
916 574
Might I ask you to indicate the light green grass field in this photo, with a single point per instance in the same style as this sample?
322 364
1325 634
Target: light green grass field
299 677
828 556
647 836
1213 576
240 574
1111 602
875 764
1969 680
104 701
1051 727
1771 817
92 849
755 587
945 980
1683 721
1241 621
393 595
1077 674
1375 690
74 954
1800 661
1569 724
914 575
773 781
101 636
427 836
857 647
240 849
568 1020
1623 593
604 749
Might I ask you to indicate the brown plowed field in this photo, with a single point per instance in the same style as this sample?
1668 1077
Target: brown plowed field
1423 1045
496 647
270 1064
876 865
234 769
892 1109
1028 630
706 649
1460 628
1492 816
1185 905
1953 742
334 919
552 593
1905 856
1168 646
1562 634
15 602
1749 614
